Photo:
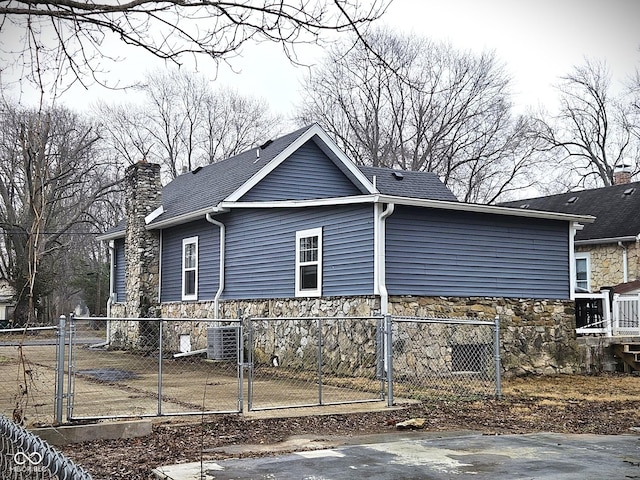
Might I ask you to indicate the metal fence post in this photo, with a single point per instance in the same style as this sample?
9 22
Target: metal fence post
240 359
320 361
62 334
496 355
250 371
160 368
389 357
70 367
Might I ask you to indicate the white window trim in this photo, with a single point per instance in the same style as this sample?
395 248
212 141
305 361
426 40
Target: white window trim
185 242
316 292
584 256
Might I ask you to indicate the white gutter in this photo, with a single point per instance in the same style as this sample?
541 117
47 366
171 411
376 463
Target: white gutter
382 257
412 202
216 300
594 241
179 219
359 199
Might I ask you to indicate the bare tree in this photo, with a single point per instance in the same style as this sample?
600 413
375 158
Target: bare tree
52 180
233 123
121 128
421 105
72 37
182 123
592 133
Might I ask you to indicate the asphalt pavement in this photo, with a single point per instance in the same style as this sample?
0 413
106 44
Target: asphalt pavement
436 456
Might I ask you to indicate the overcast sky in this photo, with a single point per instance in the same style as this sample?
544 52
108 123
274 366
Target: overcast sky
538 40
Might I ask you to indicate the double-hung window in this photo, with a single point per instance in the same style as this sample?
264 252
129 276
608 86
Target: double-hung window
582 272
190 268
309 263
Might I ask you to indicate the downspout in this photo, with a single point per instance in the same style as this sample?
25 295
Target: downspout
625 266
574 227
112 282
216 300
637 262
382 258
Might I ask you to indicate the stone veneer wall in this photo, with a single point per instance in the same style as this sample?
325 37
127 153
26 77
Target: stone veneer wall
142 247
607 266
537 336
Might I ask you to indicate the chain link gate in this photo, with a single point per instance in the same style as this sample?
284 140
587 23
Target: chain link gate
314 361
141 372
443 358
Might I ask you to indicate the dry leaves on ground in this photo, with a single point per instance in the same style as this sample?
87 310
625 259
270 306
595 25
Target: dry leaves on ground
606 404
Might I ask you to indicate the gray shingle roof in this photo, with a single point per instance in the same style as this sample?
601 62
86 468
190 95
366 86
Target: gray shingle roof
616 208
403 183
206 187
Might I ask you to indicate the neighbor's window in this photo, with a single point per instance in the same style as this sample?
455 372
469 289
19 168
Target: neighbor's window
190 268
582 272
309 263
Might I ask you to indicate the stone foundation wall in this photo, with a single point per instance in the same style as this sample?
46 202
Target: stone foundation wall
537 336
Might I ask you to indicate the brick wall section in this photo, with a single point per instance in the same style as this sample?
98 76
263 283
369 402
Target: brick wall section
607 265
142 247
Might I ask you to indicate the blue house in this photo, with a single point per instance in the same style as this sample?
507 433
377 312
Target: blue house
297 223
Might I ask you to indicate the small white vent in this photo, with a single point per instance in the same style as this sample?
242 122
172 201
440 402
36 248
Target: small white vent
222 343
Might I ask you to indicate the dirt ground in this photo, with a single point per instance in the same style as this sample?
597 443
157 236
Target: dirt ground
604 404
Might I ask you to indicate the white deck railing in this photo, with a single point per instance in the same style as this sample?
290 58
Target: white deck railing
620 318
626 315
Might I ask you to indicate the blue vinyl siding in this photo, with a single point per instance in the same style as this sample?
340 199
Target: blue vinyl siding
261 250
431 252
208 260
119 260
308 173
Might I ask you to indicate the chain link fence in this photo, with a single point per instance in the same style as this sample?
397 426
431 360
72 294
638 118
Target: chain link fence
444 358
28 375
301 361
24 456
111 368
152 367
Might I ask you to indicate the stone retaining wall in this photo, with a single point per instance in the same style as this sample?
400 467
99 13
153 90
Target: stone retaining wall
537 336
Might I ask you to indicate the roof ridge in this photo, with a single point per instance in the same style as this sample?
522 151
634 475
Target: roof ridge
578 192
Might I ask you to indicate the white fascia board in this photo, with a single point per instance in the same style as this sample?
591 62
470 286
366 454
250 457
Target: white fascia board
287 152
187 217
479 208
346 161
226 205
415 202
111 236
596 241
153 215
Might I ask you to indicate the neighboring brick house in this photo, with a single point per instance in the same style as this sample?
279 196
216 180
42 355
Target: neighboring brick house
607 251
294 227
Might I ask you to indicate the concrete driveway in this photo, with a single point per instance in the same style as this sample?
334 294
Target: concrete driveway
438 456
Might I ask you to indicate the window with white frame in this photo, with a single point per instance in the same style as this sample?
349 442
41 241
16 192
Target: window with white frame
583 272
309 263
190 268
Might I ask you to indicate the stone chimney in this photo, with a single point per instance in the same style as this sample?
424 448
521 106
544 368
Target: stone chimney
621 174
143 192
